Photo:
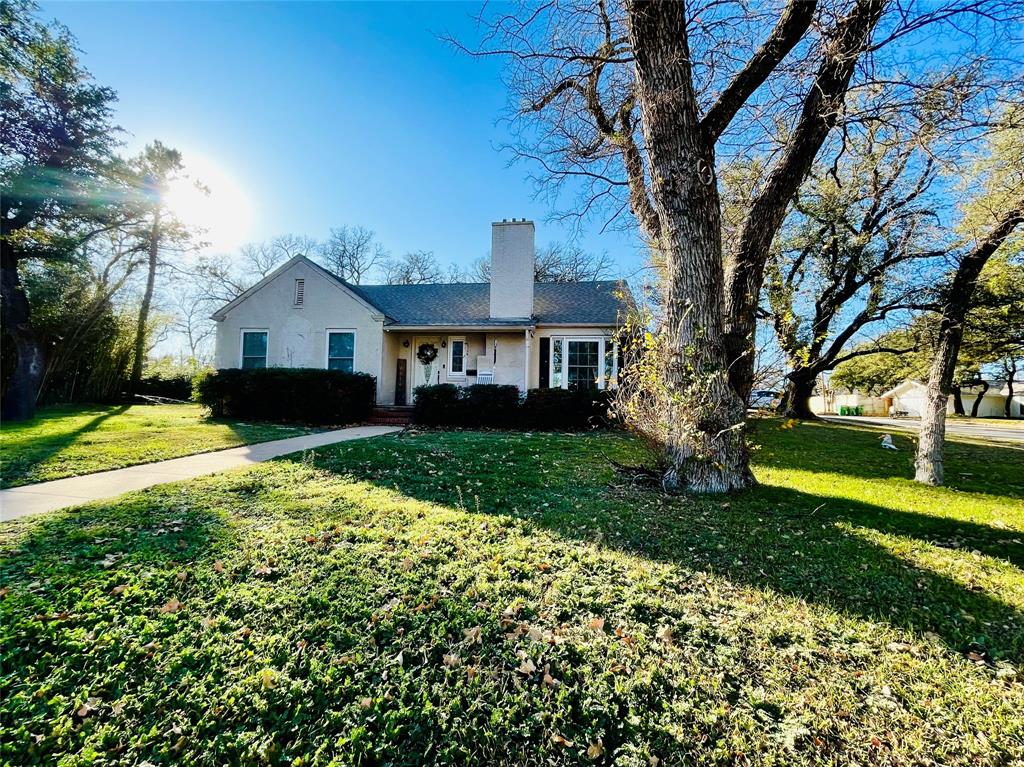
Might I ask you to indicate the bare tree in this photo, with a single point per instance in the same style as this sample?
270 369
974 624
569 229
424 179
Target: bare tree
633 100
192 320
416 268
352 253
854 253
558 262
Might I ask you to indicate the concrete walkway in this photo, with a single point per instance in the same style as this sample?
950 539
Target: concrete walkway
73 491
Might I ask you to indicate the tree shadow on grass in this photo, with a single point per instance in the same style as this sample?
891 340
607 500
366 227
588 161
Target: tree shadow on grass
145 529
859 558
19 463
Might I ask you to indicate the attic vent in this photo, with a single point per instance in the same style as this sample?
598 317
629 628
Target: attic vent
300 292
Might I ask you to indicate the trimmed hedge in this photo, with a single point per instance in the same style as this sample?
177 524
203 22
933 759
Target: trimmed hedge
491 405
500 406
298 395
566 409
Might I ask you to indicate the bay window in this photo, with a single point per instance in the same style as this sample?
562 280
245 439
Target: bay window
583 363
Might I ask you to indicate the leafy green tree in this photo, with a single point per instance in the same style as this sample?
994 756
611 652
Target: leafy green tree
59 179
992 214
155 169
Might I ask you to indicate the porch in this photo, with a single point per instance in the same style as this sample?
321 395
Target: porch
461 356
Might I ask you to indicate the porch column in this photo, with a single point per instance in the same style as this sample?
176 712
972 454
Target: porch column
526 366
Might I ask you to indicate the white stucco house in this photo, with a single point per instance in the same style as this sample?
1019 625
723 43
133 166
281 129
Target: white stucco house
509 331
909 397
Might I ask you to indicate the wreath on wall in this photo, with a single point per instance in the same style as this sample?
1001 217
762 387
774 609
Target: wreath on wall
426 353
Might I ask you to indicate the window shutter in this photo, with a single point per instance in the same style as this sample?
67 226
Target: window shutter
300 292
545 363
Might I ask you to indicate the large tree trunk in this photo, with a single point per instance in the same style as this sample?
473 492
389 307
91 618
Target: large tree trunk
19 402
1011 370
958 400
978 399
147 300
707 450
796 400
929 468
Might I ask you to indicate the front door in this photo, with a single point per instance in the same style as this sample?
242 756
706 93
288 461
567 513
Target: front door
427 362
400 372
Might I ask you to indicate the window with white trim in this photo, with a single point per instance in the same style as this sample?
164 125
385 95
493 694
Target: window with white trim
341 350
254 349
456 357
583 363
300 291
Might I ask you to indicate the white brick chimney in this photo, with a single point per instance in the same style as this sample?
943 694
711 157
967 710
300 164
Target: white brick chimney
512 245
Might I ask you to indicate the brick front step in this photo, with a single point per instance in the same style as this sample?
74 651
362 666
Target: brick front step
391 416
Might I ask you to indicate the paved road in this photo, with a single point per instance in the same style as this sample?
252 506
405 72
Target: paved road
74 491
996 433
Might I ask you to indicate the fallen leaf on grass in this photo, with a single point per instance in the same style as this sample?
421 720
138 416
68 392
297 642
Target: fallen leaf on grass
527 667
4 592
558 740
451 660
218 566
365 702
119 589
472 635
264 570
90 705
595 750
664 634
117 708
182 576
597 624
268 679
407 564
172 606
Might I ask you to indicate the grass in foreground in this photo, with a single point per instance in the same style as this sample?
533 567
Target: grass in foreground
483 598
70 440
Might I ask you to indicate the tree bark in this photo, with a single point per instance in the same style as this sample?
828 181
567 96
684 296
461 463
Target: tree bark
706 448
978 399
958 400
147 300
1011 370
796 401
929 468
19 402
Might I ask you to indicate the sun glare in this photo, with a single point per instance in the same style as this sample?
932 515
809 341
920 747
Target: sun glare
221 212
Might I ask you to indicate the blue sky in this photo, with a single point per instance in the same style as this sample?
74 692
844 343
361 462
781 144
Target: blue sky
327 114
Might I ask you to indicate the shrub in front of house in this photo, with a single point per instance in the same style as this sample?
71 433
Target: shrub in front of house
296 395
499 406
494 405
437 405
565 409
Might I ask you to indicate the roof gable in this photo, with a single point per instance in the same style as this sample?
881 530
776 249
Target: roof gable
222 312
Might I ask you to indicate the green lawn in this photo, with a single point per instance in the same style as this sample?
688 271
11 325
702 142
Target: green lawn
488 598
69 440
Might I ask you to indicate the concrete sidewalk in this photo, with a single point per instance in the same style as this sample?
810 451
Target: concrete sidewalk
73 491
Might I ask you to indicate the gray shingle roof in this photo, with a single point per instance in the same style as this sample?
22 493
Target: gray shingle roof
586 303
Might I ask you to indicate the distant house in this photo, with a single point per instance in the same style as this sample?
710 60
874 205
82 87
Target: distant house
512 330
909 397
832 402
